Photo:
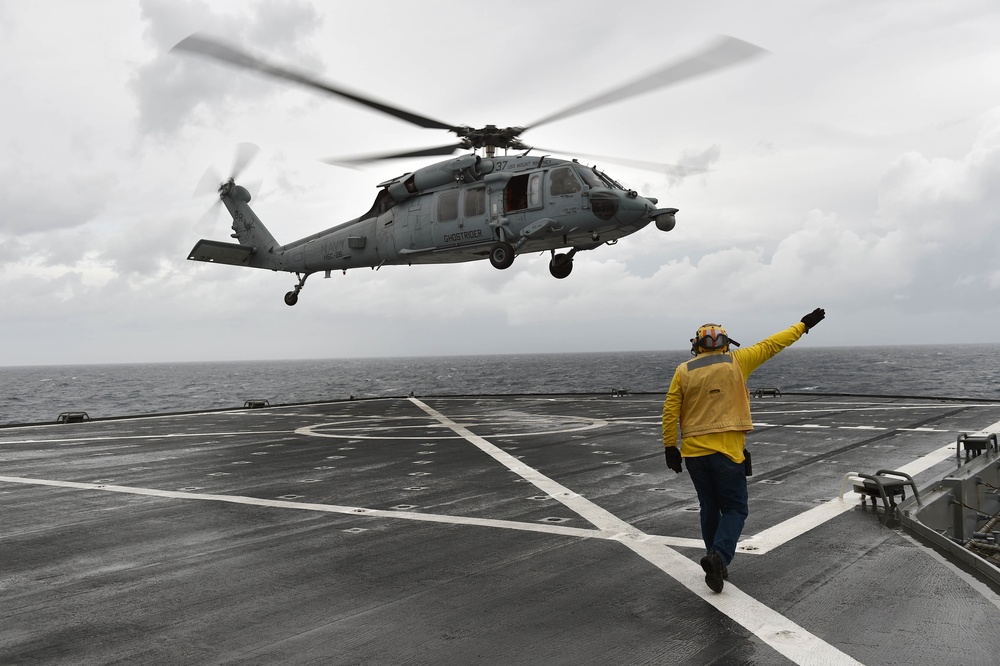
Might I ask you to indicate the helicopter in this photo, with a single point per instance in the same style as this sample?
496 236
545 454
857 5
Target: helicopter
480 205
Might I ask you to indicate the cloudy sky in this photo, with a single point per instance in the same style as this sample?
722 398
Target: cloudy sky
855 167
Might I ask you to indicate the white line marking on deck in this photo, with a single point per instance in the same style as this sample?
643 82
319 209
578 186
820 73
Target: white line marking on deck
306 506
853 407
170 435
779 632
782 533
788 638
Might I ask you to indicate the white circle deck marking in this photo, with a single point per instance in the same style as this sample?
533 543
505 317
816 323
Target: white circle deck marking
375 428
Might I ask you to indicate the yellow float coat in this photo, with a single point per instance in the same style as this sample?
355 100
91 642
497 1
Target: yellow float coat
709 400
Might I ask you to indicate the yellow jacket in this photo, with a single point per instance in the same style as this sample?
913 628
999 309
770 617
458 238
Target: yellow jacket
715 396
717 424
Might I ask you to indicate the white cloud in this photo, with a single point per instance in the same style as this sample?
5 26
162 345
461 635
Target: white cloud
854 168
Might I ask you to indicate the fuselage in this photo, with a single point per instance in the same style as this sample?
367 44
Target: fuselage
455 210
463 209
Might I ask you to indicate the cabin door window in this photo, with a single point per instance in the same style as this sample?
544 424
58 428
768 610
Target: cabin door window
524 192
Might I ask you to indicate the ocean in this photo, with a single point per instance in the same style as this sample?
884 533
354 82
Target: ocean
37 394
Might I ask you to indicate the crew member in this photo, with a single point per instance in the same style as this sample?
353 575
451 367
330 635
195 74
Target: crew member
709 399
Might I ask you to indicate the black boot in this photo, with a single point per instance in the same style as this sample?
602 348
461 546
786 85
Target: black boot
715 571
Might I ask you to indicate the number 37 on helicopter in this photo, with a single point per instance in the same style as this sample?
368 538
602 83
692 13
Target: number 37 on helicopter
480 205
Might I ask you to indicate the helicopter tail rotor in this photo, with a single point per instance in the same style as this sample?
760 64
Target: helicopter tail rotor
213 183
208 183
245 154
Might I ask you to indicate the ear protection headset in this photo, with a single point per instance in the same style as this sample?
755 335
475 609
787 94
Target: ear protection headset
711 337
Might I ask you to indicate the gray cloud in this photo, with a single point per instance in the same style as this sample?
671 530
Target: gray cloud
886 214
174 89
34 202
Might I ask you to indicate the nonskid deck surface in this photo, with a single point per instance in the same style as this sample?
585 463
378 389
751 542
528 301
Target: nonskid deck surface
503 530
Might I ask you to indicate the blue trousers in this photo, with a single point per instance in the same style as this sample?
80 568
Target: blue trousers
721 485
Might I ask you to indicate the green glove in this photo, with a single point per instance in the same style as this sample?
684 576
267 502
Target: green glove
673 456
813 318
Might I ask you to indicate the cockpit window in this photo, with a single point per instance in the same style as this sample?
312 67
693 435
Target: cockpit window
611 182
590 177
563 181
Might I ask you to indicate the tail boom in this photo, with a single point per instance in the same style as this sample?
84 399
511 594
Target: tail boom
256 247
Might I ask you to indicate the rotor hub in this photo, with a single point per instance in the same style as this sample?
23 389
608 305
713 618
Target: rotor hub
491 136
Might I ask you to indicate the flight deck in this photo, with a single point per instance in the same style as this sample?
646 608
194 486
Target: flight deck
537 529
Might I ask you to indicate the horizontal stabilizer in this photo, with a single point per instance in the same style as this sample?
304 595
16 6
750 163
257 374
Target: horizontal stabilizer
217 252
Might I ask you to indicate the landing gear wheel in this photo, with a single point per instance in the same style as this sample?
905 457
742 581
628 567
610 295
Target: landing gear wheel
561 265
292 297
501 255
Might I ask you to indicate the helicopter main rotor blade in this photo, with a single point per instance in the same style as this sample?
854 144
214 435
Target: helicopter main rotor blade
673 170
723 52
422 152
208 47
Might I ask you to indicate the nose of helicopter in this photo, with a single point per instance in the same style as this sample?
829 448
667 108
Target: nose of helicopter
642 209
624 206
631 204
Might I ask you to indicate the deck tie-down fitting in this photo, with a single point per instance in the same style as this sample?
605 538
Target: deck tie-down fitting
885 483
975 445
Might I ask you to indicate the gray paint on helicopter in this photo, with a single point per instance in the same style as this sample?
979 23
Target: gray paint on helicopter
524 215
519 218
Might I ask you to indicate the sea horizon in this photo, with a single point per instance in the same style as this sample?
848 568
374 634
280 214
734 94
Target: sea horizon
38 393
488 355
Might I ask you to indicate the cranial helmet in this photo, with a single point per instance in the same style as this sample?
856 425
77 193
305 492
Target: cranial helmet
711 337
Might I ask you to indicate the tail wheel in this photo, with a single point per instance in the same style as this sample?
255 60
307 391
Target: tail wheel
501 255
292 297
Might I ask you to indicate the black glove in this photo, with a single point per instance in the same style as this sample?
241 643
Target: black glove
673 456
813 318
